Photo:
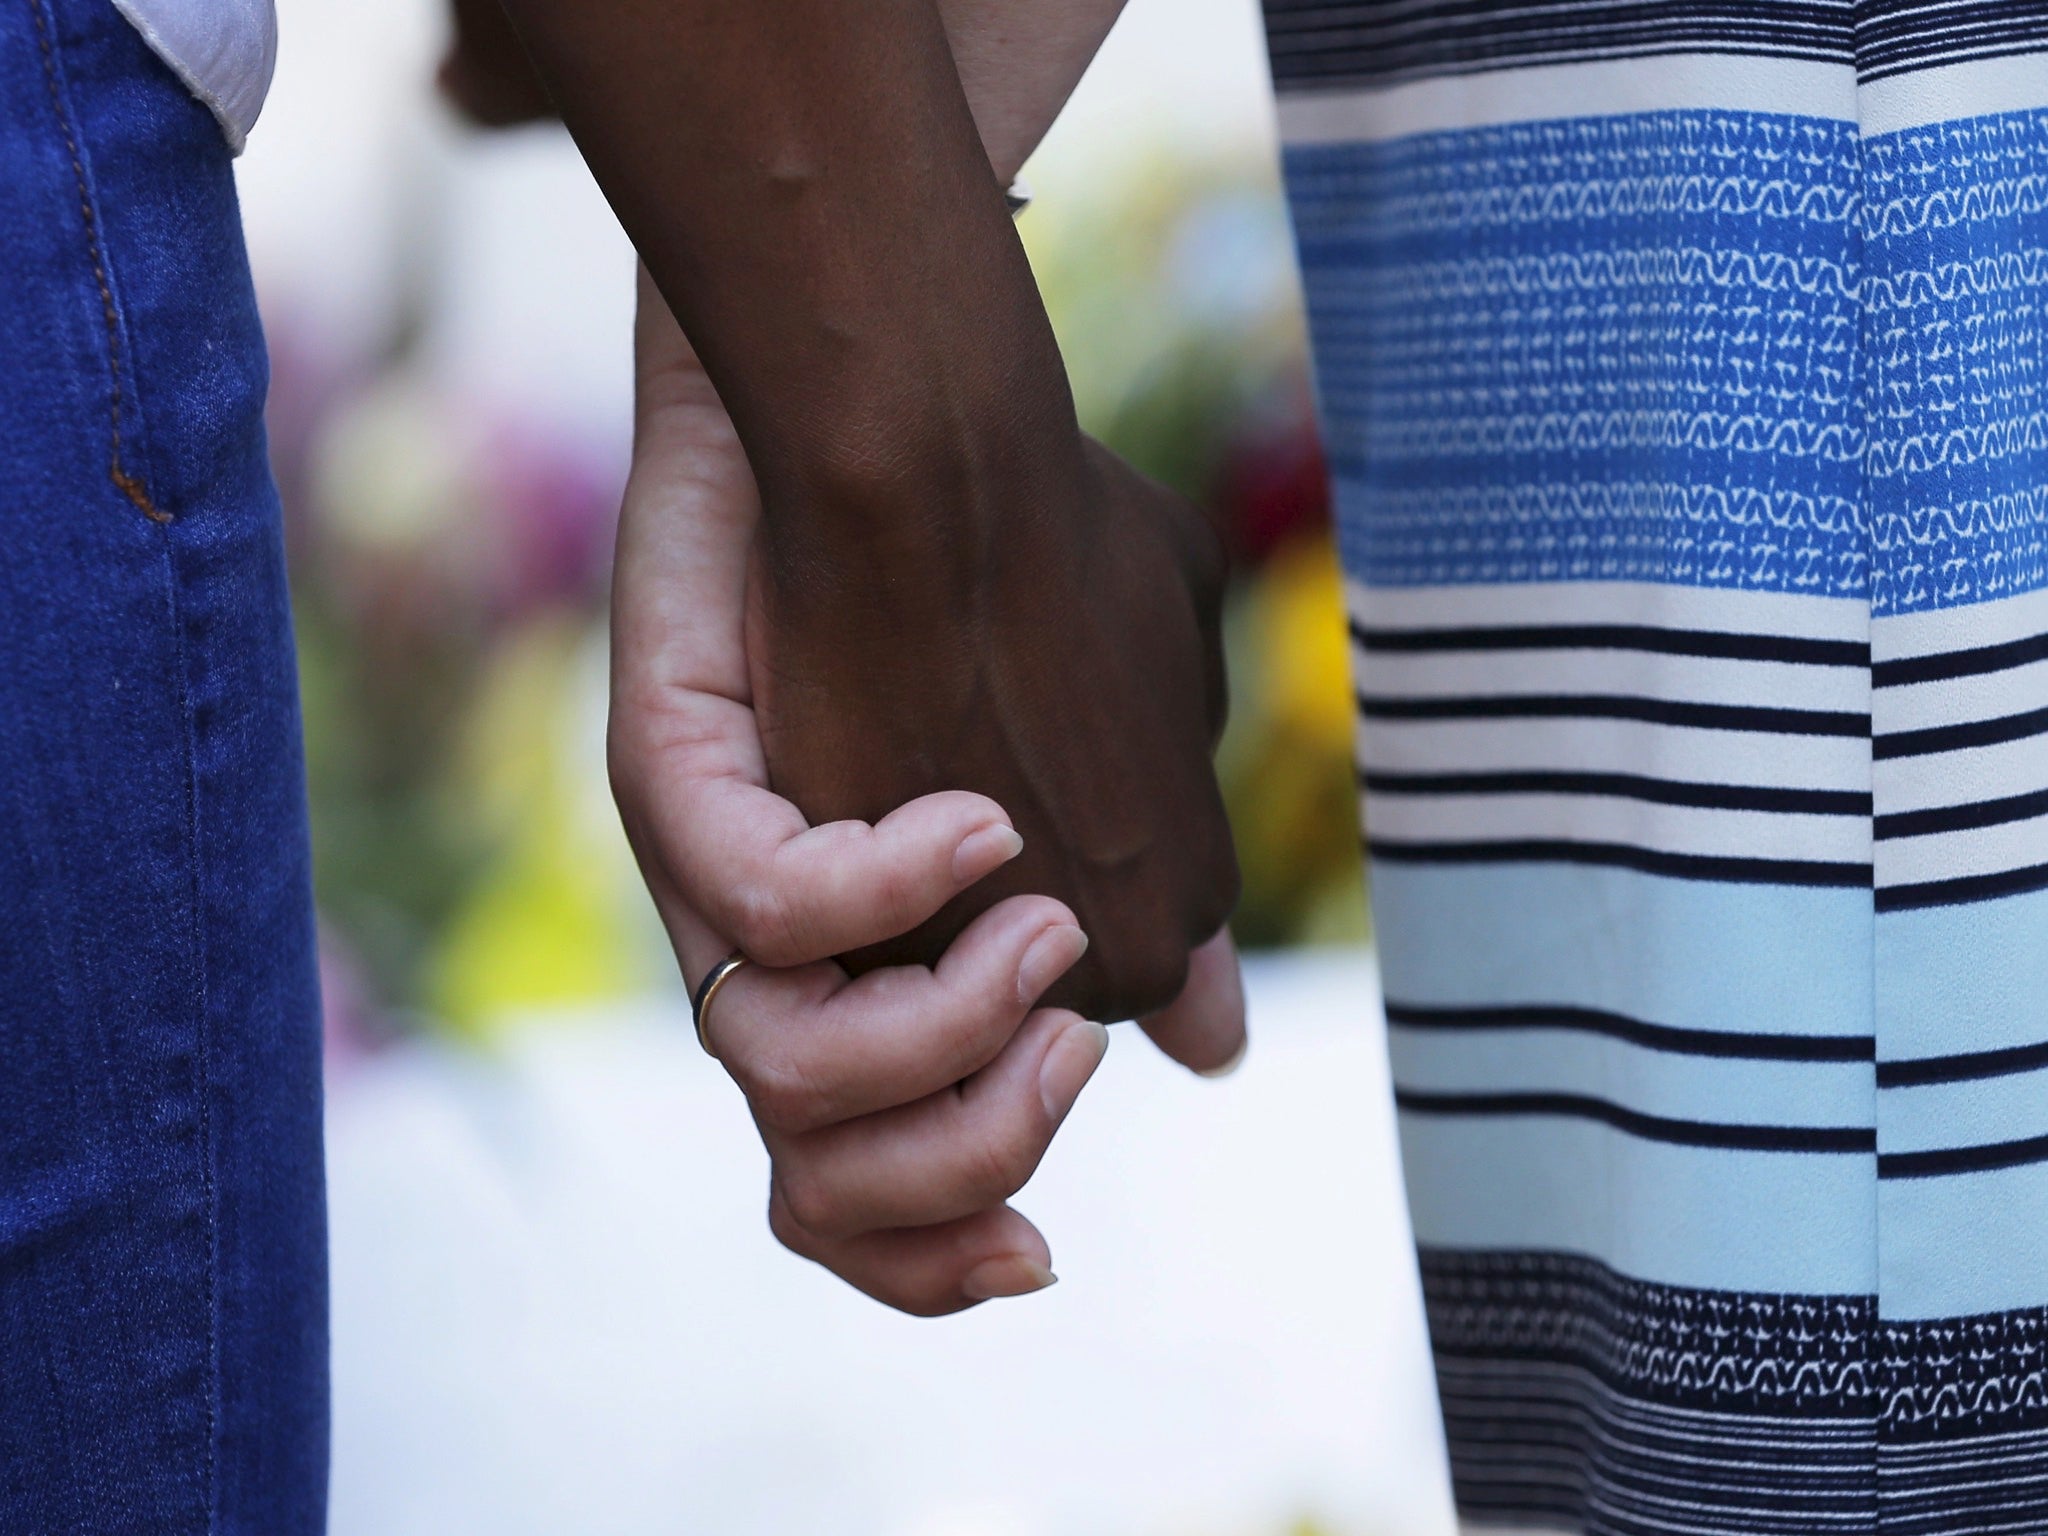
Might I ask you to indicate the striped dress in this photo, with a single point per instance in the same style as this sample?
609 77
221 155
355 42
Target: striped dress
1684 375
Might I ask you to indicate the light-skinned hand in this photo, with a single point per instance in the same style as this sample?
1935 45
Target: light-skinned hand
900 1110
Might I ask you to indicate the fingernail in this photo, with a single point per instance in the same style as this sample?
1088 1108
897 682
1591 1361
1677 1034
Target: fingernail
1011 1275
1224 1069
984 850
1069 1064
1051 955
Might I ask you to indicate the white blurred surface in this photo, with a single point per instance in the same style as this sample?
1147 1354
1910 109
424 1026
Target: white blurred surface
557 1308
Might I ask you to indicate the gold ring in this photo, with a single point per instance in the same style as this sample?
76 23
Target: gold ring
700 1001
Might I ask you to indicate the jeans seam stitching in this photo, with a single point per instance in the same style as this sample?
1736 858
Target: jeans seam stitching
128 483
202 1016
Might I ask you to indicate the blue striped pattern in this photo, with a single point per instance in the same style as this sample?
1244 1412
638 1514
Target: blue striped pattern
1692 478
1512 330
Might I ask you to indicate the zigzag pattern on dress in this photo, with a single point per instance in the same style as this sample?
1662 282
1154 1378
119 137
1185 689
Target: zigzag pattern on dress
1956 259
1474 353
1544 274
1720 1350
1736 164
1985 1374
1495 311
1731 1350
1779 539
1578 1399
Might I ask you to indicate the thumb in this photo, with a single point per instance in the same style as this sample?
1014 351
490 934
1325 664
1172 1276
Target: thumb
1204 1029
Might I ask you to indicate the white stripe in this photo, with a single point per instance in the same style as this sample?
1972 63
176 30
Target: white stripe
1701 82
1645 674
1609 1492
1635 823
1943 1450
1611 602
1958 855
1494 1461
1961 778
1965 1516
1952 93
1497 1458
1898 636
1666 83
1949 1461
1608 746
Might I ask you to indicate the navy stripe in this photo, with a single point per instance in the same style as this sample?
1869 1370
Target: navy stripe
1967 1066
1953 1160
1616 637
1316 42
1337 69
1915 1072
1689 1133
1955 738
1974 662
1963 889
1915 35
1685 866
1604 706
1625 786
1470 31
1961 818
2023 40
1726 1043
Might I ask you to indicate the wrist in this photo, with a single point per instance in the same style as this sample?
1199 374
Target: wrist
932 506
925 443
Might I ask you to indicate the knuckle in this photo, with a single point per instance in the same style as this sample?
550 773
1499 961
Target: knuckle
625 740
969 1027
1002 1162
920 1301
894 890
1146 978
783 1226
810 1201
625 775
783 1095
759 921
901 1288
620 769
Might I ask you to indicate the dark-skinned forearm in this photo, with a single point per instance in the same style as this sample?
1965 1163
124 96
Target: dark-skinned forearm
806 184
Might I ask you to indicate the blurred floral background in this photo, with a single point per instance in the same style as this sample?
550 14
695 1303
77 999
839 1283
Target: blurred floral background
555 1307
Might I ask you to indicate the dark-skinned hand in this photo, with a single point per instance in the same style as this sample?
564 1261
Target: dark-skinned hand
1058 653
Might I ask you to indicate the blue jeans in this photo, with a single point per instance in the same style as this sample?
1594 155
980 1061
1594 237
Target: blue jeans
162 1243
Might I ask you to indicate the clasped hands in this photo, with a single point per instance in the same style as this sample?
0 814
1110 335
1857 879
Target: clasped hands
992 820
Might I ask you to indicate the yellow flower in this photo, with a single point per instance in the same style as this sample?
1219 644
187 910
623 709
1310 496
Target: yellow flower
1305 657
